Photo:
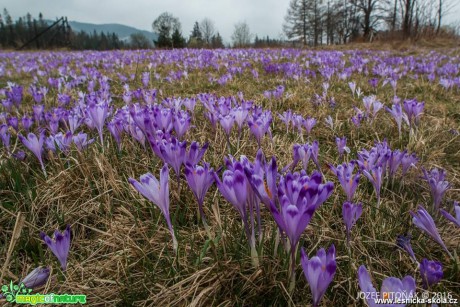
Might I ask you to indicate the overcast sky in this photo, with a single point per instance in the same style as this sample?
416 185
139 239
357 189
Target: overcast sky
265 17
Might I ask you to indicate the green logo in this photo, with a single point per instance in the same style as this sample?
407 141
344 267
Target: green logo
12 291
22 295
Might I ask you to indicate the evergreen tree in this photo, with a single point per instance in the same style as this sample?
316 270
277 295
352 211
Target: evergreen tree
216 41
196 32
196 37
178 41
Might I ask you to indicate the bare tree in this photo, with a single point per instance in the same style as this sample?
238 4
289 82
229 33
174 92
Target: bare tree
304 21
371 14
241 36
444 7
347 20
407 11
208 30
295 22
316 20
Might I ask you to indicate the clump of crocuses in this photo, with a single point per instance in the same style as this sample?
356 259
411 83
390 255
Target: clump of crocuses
235 188
319 271
299 197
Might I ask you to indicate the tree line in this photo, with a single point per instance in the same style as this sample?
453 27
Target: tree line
307 22
316 22
29 32
205 35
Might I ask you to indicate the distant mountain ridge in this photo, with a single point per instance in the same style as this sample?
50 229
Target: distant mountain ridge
123 32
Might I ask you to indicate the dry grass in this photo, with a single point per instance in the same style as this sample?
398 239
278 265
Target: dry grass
121 253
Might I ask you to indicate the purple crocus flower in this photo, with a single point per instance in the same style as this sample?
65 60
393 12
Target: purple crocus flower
234 189
38 112
438 185
7 104
240 114
330 122
352 86
298 122
15 93
145 78
54 126
264 181
342 145
390 286
164 119
398 115
413 109
37 278
309 123
351 213
158 193
227 122
36 93
304 153
19 155
348 181
455 220
372 105
356 120
195 153
26 122
319 271
137 134
116 132
59 246
199 179
299 196
181 123
431 272
62 141
260 125
35 145
373 82
394 161
423 220
13 122
74 121
98 114
375 177
173 153
81 141
5 136
286 118
404 242
408 161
